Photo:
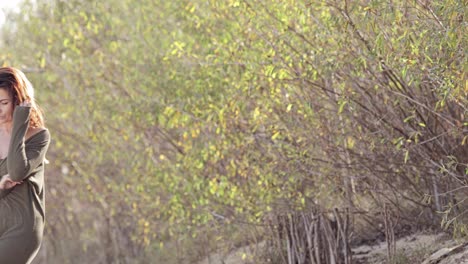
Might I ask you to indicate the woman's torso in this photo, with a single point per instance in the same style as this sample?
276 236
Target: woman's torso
23 205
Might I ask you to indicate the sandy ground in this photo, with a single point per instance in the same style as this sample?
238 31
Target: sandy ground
416 248
410 249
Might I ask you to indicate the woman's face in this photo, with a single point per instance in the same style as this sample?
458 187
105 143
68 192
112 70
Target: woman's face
6 107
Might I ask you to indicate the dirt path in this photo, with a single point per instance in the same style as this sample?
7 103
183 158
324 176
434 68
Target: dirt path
410 249
415 248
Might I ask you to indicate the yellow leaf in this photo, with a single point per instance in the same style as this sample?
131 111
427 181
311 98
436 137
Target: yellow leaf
275 135
350 142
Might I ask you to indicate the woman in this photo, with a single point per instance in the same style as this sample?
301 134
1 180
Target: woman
23 144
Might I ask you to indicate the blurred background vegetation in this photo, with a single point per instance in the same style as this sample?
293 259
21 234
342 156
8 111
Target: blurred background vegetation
183 128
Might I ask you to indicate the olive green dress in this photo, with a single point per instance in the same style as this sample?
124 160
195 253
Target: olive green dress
22 207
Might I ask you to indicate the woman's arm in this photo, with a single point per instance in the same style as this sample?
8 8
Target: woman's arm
22 159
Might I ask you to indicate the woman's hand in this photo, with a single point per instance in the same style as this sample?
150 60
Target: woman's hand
26 103
7 183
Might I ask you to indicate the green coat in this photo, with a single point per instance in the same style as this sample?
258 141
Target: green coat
22 211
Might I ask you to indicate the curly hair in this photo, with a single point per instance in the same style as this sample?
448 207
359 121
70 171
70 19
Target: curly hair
18 86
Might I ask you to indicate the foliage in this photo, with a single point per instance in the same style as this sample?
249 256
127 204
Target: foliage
174 122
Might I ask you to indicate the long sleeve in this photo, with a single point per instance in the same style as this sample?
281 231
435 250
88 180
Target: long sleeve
23 158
